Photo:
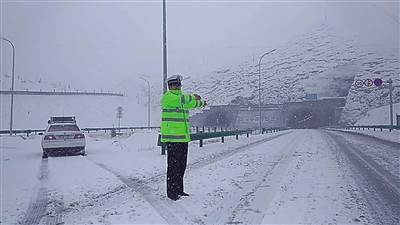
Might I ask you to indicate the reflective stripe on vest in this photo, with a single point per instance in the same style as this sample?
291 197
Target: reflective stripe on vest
173 136
175 119
176 110
183 99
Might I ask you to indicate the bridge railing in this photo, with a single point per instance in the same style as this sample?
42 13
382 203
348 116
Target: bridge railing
365 127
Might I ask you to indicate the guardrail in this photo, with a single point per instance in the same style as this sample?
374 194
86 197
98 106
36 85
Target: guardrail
273 129
88 129
198 129
26 131
201 136
366 127
116 128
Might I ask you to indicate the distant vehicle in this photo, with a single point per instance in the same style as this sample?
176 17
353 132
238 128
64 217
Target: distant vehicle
63 136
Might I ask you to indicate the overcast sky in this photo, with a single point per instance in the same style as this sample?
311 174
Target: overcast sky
99 43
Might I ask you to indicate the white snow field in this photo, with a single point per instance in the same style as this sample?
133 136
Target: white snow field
287 177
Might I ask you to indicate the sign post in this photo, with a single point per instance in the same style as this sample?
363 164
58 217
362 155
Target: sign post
119 116
390 82
378 82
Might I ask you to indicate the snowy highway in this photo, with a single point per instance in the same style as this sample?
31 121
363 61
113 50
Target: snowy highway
294 176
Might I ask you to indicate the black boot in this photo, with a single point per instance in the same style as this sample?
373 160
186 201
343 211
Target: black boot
174 197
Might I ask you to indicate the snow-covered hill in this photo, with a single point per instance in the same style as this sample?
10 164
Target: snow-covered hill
321 61
325 60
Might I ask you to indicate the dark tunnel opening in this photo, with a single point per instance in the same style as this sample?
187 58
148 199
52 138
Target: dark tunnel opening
218 120
303 119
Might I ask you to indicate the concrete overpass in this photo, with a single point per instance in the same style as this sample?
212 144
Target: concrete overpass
307 114
59 93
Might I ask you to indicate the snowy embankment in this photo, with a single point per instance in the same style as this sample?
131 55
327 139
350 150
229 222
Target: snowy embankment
261 179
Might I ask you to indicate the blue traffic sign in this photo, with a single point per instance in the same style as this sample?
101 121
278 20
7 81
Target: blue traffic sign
311 96
378 82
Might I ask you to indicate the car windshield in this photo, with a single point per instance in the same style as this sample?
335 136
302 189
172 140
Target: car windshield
64 127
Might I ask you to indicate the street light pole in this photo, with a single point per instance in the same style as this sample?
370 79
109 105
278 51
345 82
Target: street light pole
148 103
12 84
164 46
259 84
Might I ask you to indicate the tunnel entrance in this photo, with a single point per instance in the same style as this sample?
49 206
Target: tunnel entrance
218 120
303 119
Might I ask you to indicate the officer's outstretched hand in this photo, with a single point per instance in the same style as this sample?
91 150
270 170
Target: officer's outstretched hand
205 103
197 97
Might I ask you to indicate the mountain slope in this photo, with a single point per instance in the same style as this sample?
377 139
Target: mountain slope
326 60
319 61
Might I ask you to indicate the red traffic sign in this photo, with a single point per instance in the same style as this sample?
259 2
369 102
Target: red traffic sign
359 83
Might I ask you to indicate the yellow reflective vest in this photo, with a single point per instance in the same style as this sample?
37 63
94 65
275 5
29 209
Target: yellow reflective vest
175 126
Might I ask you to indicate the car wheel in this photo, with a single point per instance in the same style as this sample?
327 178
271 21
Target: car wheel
44 156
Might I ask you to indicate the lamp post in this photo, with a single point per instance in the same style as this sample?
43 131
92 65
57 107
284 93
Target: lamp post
12 84
259 84
148 103
164 46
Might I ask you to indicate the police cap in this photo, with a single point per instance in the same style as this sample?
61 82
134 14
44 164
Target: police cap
175 80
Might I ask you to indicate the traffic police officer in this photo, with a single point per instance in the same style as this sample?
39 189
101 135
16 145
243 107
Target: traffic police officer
175 132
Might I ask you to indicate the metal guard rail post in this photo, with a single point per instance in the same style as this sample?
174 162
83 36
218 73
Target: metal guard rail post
201 136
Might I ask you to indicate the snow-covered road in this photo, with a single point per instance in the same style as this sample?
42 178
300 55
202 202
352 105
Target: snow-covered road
294 176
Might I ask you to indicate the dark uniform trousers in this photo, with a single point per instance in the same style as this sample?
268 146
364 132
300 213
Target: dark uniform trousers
176 159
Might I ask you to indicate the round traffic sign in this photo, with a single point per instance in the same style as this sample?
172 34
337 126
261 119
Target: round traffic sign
359 83
378 82
368 82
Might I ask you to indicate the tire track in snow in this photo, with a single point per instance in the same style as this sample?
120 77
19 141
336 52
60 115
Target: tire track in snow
379 187
55 210
213 158
42 209
257 191
142 186
172 213
37 205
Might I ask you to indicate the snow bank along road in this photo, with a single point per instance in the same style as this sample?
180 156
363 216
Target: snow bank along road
295 176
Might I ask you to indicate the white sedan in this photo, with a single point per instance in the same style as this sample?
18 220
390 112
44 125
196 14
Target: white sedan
63 138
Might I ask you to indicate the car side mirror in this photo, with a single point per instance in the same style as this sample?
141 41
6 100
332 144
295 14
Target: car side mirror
40 133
